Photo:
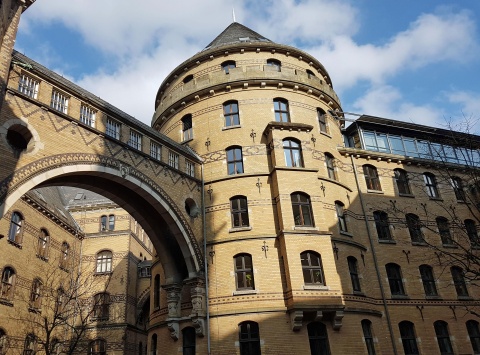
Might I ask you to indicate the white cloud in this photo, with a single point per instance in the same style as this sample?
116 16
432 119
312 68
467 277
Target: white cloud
469 103
387 101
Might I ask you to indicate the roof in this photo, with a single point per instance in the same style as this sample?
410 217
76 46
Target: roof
236 33
101 104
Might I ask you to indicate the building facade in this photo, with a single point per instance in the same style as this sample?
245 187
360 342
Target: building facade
320 235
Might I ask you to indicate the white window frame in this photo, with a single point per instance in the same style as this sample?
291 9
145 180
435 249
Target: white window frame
87 115
135 140
113 128
190 168
173 159
59 101
28 86
155 150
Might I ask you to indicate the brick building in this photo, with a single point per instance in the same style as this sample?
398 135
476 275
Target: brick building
320 235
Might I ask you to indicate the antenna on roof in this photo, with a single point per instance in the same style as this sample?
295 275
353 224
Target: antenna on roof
233 14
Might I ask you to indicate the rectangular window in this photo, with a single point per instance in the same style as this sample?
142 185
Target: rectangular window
173 159
190 168
28 86
155 151
135 140
59 101
87 115
113 129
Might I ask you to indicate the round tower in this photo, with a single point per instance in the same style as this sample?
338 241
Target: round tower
258 113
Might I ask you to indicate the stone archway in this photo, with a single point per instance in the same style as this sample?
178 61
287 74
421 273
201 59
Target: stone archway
141 196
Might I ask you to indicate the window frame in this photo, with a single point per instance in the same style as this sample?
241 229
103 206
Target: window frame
231 113
471 231
431 185
313 274
43 245
135 140
104 262
101 306
248 338
443 337
36 294
402 182
111 222
59 101
156 292
30 344
354 275
187 127
342 222
322 120
113 128
368 336
318 338
292 151
428 280
15 231
443 226
173 159
29 86
409 338
227 65
189 168
330 164
239 211
275 63
281 110
414 226
7 285
473 331
458 278
372 179
244 272
458 188
97 347
156 150
3 341
302 210
188 341
87 115
382 225
234 157
395 279
64 255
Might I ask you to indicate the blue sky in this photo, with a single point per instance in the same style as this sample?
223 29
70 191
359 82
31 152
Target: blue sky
410 60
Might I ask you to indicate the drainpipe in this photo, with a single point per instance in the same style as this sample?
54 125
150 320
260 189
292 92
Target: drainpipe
205 260
374 255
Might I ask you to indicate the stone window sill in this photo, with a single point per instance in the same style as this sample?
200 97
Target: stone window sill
239 229
346 234
375 192
316 287
226 128
306 228
387 241
244 292
406 195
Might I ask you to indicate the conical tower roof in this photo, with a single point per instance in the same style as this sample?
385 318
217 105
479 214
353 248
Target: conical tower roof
236 33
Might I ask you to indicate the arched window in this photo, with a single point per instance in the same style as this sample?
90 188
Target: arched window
318 338
111 222
371 177
409 341
302 209
97 347
153 345
30 345
368 336
353 270
310 74
292 150
312 268
140 348
431 185
104 262
15 232
394 275
65 256
342 222
443 337
239 211
229 64
322 120
401 178
156 292
234 160
101 305
8 283
187 127
474 335
36 294
276 64
428 280
103 223
188 335
457 185
56 346
231 114
444 230
414 228
249 338
60 302
330 163
282 113
43 244
382 225
471 229
3 342
188 78
459 281
244 272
